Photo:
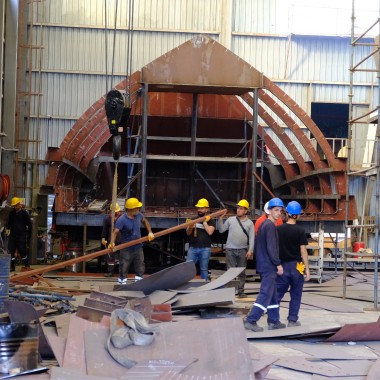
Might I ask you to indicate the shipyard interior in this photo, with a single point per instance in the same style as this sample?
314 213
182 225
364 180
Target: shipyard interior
143 143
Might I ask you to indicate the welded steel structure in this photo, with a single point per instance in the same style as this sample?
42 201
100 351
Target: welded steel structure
194 132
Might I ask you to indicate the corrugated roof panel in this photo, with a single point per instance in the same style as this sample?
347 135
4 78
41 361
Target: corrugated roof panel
260 16
266 54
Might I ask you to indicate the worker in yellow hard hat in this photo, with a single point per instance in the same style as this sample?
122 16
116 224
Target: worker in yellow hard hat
106 237
128 225
18 228
240 241
199 236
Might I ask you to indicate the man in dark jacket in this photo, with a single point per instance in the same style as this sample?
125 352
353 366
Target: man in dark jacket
268 265
18 228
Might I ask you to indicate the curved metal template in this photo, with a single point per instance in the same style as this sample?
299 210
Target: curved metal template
90 133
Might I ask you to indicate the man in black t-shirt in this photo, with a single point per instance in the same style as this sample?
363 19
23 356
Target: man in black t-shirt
200 239
19 231
294 259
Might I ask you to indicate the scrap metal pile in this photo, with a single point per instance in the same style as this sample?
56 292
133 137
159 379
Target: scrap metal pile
169 325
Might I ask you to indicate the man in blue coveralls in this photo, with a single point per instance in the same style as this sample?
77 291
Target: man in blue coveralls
268 265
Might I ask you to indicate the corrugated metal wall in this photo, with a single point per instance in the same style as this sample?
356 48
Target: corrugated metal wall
77 56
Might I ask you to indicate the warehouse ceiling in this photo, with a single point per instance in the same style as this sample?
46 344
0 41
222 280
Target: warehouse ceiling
223 83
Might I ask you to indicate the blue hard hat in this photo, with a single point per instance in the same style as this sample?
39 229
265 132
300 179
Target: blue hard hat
294 208
275 202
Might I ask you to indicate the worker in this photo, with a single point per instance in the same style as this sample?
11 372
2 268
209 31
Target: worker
18 228
265 216
268 265
129 225
294 259
106 237
200 238
240 241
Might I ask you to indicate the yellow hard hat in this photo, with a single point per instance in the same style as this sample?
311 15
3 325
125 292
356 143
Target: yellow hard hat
203 202
117 207
243 203
15 201
132 203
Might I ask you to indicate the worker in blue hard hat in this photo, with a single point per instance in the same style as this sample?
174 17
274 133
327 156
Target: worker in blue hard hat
268 265
294 259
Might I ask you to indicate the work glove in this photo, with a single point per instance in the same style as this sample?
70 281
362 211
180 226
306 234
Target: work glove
301 267
104 242
150 236
7 232
111 246
207 218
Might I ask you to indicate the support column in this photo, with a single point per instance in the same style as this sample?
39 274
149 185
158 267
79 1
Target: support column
144 134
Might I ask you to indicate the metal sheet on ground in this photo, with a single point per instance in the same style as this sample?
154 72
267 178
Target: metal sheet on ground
374 371
215 297
328 303
156 369
169 278
323 328
62 323
224 279
261 362
357 332
353 367
74 357
317 367
58 373
58 345
219 345
91 314
161 296
98 361
333 351
23 312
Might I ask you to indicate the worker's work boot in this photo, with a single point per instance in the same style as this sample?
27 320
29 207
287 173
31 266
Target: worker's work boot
276 326
294 323
253 326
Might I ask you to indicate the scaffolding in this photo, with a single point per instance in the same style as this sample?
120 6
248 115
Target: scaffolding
371 171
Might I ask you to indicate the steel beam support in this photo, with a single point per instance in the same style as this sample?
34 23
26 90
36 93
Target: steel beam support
255 112
144 134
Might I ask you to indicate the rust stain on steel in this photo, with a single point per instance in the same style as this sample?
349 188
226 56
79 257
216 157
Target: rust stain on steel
290 170
308 122
292 125
357 332
201 65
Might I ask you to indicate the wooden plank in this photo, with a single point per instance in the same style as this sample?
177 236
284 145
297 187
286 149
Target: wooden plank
103 252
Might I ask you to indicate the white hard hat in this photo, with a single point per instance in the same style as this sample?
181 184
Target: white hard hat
266 209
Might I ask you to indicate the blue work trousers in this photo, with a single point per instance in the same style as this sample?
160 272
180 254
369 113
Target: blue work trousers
266 300
203 256
293 281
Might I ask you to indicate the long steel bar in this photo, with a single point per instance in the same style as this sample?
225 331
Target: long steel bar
255 112
103 252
